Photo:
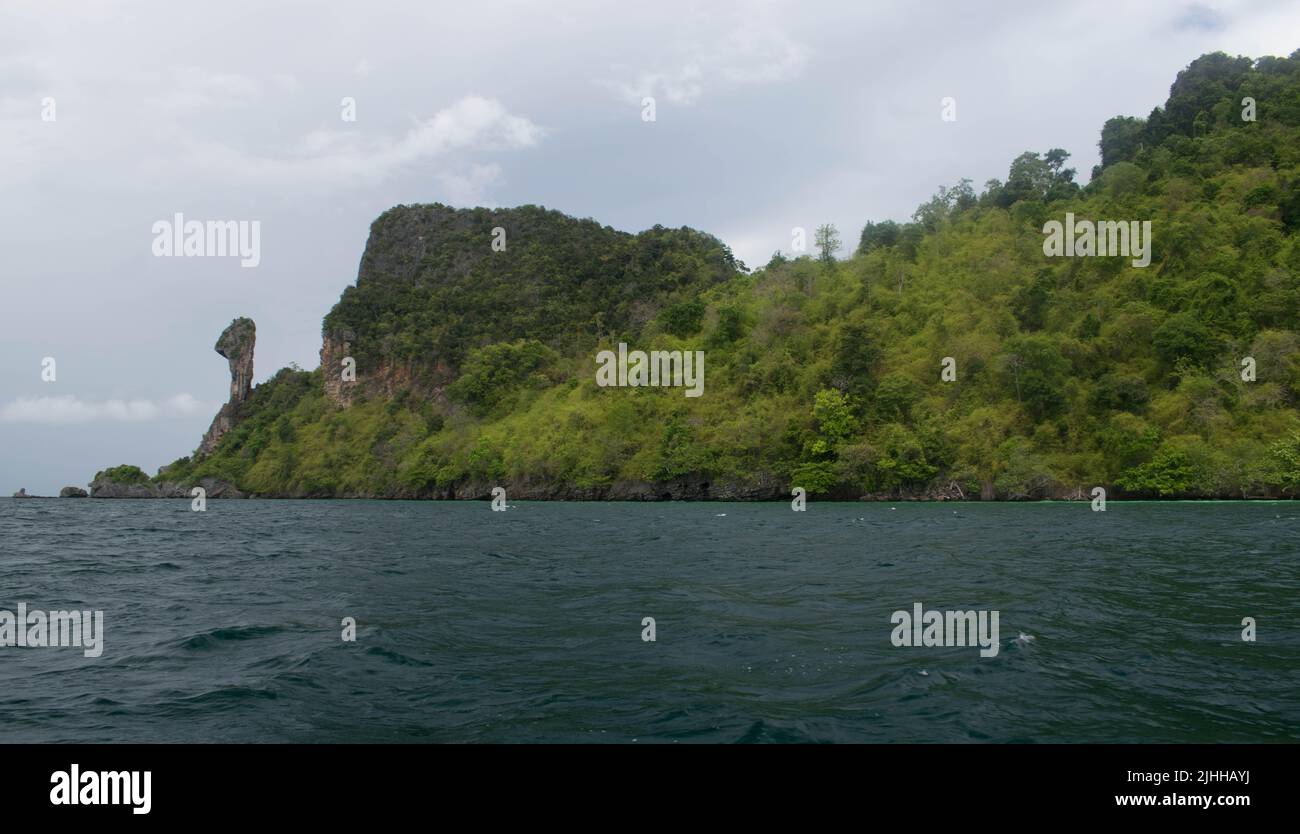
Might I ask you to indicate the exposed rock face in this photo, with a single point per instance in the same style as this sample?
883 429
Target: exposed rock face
236 345
213 487
334 349
385 380
761 488
103 487
22 493
417 253
72 492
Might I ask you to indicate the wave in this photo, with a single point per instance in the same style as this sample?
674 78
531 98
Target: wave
215 637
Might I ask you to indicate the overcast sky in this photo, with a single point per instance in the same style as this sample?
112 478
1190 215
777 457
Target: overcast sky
769 115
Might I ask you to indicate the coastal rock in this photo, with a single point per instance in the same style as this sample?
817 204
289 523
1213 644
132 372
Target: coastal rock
22 493
236 345
171 489
220 489
762 487
73 492
103 487
212 487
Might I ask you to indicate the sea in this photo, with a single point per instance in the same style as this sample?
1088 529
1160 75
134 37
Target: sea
652 623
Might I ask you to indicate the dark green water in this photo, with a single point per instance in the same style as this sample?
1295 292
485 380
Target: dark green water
772 626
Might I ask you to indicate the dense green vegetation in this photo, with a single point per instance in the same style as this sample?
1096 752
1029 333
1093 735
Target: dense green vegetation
825 373
124 474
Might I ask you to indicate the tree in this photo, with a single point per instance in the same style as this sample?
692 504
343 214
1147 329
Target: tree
680 452
730 326
902 460
895 396
1041 178
833 412
945 203
1115 392
877 235
980 437
684 318
493 372
1030 303
1171 472
1038 371
124 474
855 358
1285 459
1183 336
827 240
1121 139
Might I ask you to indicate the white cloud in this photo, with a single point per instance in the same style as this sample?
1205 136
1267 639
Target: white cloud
195 90
186 404
286 82
760 55
468 189
680 86
331 157
750 51
755 250
191 124
68 410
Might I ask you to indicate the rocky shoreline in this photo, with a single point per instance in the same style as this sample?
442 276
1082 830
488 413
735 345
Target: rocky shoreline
107 488
764 489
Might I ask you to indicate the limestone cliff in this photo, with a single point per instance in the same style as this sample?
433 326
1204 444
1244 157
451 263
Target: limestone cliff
383 378
336 348
436 283
236 345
